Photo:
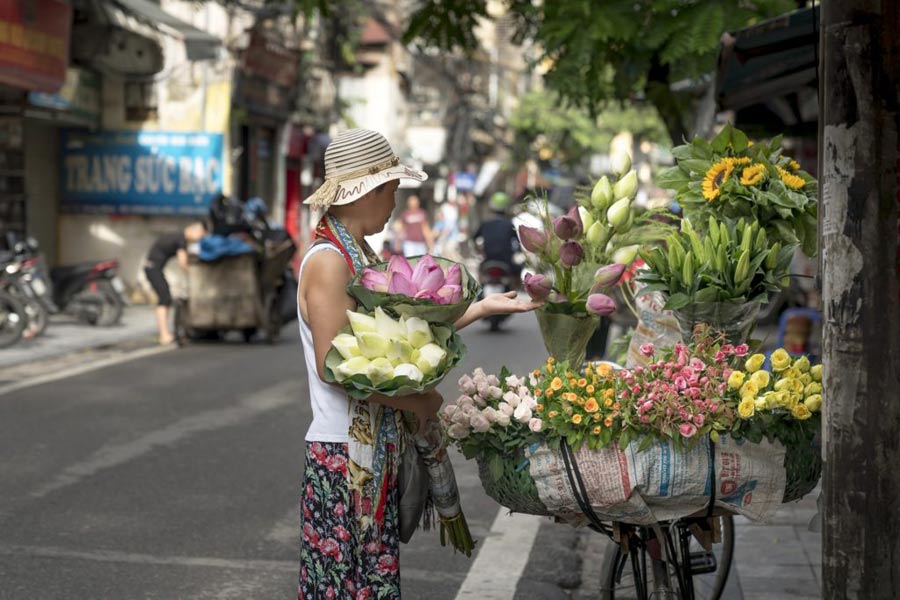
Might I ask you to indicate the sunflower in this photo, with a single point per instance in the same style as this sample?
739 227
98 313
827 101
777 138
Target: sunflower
743 160
715 178
792 181
793 165
753 174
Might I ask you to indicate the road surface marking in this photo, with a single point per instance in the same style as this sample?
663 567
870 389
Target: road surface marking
114 556
85 368
114 455
500 562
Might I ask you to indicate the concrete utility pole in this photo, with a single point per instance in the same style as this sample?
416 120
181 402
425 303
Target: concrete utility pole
860 207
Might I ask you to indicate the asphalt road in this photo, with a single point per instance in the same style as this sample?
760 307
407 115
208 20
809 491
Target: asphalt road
177 476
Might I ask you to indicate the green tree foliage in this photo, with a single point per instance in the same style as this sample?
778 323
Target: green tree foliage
598 50
571 134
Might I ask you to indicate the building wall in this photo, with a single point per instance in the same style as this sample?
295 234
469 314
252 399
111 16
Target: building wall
42 183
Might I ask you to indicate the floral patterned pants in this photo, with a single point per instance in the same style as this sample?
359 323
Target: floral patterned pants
336 560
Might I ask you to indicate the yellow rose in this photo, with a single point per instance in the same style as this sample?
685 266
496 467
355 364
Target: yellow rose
806 378
800 412
755 363
761 403
576 418
802 364
792 373
796 399
749 389
736 380
812 389
781 360
746 408
782 385
783 399
771 399
761 379
813 403
816 372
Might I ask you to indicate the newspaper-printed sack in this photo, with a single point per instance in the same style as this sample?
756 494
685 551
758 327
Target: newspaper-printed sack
662 483
655 326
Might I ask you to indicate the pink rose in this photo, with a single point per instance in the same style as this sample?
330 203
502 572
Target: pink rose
647 349
699 420
688 430
741 350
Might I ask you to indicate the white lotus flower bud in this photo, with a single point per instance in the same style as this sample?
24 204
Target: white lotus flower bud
418 332
430 358
400 352
373 345
409 371
627 186
387 326
346 345
380 370
626 254
602 193
587 219
620 162
354 366
597 234
361 323
617 215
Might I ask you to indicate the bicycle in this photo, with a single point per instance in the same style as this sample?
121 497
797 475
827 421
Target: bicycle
680 565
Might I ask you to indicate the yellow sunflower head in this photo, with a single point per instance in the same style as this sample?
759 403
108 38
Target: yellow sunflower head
753 174
792 181
793 165
715 178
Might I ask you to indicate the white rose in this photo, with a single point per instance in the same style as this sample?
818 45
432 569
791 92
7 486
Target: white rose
535 425
506 409
503 420
512 399
522 413
513 381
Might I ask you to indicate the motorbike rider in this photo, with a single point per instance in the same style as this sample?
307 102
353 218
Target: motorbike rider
164 248
497 234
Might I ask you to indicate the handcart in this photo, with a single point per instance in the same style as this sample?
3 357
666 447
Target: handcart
240 293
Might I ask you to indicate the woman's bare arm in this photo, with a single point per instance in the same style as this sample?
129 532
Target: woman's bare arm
495 304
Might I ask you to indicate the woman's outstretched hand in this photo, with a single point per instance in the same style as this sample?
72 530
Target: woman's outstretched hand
506 304
495 304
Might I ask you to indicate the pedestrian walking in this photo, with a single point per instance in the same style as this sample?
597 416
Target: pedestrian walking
166 247
349 504
416 233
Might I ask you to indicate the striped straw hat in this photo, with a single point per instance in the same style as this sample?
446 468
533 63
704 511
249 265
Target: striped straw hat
356 162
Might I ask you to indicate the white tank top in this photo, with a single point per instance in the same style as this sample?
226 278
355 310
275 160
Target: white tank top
330 406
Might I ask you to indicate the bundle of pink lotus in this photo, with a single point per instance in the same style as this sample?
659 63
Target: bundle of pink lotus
427 280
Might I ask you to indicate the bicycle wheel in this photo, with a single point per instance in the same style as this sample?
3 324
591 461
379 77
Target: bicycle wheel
619 581
12 320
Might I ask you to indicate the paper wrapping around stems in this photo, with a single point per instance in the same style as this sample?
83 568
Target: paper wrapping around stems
735 320
566 336
404 306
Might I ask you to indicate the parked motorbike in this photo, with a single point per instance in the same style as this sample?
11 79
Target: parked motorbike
90 291
16 281
12 319
496 278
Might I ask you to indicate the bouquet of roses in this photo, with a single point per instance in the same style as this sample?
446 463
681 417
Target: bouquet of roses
499 413
681 395
781 404
377 353
434 289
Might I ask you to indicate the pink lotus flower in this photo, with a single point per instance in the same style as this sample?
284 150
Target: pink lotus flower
399 264
454 275
375 280
600 305
537 286
571 254
568 226
608 276
449 294
401 284
533 240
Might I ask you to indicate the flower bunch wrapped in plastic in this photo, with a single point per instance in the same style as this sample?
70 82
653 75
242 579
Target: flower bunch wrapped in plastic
782 403
434 289
580 407
377 353
497 413
681 394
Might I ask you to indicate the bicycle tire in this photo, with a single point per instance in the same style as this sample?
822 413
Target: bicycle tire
616 567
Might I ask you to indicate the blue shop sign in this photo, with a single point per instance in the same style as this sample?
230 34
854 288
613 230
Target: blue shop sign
140 172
